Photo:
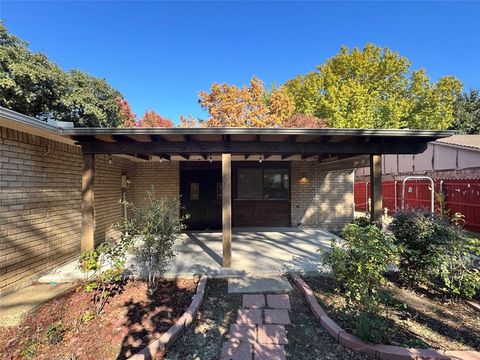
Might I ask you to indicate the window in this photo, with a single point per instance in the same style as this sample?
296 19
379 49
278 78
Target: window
249 184
194 191
275 184
263 184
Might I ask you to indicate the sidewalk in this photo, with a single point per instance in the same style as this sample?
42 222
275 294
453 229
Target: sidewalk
13 306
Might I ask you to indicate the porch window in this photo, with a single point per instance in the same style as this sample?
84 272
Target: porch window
263 184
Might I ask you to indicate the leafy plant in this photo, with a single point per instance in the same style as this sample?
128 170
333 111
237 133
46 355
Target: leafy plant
360 262
362 221
54 333
153 230
29 349
436 250
87 316
104 265
419 236
458 272
370 327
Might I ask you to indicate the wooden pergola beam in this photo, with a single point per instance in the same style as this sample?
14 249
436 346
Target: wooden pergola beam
245 147
375 187
227 209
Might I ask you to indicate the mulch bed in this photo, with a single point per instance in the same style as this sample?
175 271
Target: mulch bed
308 340
204 338
129 322
412 318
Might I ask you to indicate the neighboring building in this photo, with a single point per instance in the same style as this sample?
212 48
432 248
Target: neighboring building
456 156
60 188
453 163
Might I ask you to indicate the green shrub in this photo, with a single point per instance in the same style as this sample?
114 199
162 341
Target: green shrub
153 230
362 221
104 265
360 262
370 327
54 333
435 251
458 272
420 238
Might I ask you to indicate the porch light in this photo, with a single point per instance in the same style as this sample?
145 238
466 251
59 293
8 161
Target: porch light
110 159
303 178
260 159
210 158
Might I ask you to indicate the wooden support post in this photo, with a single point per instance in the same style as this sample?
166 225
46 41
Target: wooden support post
376 187
227 208
88 207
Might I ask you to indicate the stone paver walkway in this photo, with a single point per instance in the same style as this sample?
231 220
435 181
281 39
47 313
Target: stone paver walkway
259 332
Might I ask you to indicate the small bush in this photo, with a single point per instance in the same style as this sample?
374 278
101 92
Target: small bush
360 262
370 327
362 221
153 230
419 237
54 333
435 251
105 265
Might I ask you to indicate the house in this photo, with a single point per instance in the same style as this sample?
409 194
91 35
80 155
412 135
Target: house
61 187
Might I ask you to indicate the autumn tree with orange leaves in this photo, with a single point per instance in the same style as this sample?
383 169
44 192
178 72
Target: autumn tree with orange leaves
127 117
248 106
305 121
152 119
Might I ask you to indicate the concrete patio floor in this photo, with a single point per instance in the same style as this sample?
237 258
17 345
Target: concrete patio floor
255 252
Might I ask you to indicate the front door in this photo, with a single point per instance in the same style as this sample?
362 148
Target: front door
201 191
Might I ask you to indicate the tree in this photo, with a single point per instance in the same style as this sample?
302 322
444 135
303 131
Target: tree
89 102
128 118
152 119
248 106
374 88
29 83
305 121
188 122
467 113
35 86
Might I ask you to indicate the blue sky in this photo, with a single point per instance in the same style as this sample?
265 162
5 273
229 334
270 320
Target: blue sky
161 54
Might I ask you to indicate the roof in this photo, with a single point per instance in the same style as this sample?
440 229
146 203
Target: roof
208 142
466 141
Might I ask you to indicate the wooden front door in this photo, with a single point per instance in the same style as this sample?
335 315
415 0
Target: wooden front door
201 191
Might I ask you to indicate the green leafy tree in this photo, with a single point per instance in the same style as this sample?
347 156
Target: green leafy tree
467 113
35 86
89 102
374 88
29 83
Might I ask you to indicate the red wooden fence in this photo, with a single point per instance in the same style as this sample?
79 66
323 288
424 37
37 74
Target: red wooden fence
461 195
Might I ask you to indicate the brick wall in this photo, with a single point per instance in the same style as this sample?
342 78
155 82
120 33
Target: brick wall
40 204
164 176
108 194
321 198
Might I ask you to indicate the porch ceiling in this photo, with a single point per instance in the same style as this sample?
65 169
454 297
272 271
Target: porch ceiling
324 145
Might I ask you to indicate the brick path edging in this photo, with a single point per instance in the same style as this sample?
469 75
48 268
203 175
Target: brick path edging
158 347
475 306
374 351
